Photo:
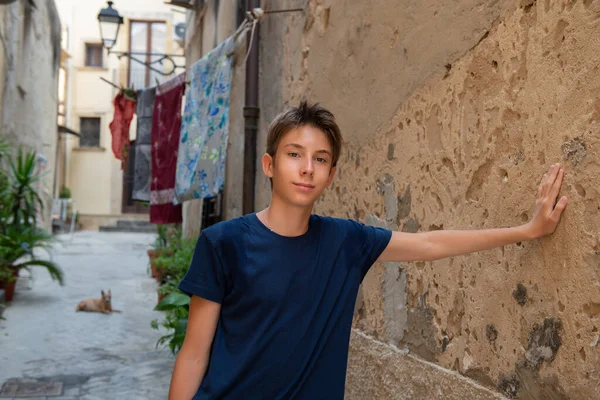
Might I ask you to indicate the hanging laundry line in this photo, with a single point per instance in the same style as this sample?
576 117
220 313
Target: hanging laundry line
111 83
250 22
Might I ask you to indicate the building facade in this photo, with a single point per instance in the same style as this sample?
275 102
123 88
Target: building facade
30 57
99 186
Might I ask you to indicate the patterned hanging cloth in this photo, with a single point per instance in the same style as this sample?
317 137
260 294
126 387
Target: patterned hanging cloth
143 145
204 130
166 125
124 104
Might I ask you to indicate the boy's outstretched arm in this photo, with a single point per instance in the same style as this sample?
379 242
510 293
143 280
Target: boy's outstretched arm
429 246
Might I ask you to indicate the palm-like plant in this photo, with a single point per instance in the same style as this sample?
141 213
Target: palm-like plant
21 196
19 242
19 204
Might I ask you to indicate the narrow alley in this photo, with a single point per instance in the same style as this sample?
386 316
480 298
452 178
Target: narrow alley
87 355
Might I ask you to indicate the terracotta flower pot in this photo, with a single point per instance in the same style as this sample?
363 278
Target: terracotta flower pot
9 287
155 271
161 296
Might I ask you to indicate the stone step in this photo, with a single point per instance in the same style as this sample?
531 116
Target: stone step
133 224
132 229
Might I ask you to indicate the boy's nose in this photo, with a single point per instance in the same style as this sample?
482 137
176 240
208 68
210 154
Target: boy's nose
308 168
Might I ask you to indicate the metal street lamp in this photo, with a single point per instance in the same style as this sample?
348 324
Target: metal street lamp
110 22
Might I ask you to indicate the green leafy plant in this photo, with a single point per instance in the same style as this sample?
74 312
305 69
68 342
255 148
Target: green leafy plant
20 204
65 193
174 263
161 240
17 242
21 199
177 306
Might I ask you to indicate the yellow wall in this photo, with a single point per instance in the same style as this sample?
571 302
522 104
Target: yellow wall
94 175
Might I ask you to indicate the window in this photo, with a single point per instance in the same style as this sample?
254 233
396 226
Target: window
93 55
146 37
90 132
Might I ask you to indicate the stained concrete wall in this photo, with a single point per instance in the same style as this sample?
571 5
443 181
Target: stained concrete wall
451 115
207 26
30 56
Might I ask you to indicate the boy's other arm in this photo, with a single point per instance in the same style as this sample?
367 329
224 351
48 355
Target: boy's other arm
435 245
192 360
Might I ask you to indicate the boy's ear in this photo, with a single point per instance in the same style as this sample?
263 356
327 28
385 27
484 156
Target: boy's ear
267 164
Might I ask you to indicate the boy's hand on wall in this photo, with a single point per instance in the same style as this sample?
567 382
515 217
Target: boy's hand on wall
547 209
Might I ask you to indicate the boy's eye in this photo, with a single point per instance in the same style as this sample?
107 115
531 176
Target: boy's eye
321 160
294 154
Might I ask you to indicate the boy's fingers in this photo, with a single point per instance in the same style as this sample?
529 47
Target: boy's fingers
550 180
548 175
557 184
560 206
541 187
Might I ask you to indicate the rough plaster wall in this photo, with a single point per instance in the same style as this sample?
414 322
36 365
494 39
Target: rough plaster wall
30 94
465 142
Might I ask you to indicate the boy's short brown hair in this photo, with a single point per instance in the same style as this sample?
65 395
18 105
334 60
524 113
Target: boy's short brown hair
305 114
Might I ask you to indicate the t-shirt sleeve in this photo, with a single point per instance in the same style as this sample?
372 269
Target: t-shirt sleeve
370 242
205 277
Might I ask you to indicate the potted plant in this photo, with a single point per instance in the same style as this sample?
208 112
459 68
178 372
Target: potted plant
171 299
159 247
174 263
20 236
177 306
17 252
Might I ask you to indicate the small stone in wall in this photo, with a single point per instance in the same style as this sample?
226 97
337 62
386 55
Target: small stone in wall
574 150
404 204
411 225
491 332
544 342
520 294
509 386
445 342
390 153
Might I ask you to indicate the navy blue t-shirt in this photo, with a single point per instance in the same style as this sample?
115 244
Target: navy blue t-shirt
286 305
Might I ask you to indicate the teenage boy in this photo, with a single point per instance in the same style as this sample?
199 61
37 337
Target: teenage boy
273 292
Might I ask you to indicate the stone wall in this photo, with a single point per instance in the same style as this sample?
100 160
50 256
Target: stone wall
29 72
451 115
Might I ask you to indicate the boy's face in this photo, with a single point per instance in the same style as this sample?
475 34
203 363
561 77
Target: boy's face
302 168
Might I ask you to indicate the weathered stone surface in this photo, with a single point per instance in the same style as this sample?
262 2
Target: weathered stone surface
379 371
29 67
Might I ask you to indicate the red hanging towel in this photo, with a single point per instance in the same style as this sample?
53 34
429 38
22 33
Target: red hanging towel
166 123
119 127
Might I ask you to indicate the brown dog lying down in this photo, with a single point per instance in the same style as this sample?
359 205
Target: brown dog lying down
102 304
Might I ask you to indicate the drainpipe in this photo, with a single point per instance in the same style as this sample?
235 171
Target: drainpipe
251 114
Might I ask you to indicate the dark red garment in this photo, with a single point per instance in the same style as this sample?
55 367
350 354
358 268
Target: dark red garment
166 124
119 127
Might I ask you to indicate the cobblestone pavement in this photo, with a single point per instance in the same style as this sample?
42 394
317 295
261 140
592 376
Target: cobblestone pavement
94 356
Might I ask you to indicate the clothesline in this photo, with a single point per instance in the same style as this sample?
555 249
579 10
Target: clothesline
250 22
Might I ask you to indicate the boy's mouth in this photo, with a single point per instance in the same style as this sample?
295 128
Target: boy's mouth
305 186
